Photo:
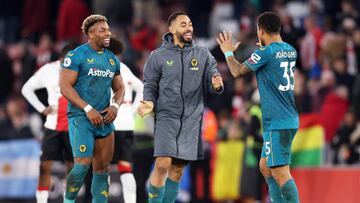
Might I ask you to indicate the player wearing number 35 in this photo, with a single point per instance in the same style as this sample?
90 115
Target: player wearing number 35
273 63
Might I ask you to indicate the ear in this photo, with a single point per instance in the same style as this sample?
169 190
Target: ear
172 29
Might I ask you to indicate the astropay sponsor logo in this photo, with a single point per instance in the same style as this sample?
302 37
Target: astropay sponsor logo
101 73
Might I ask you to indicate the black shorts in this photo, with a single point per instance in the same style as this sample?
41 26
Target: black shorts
124 141
56 146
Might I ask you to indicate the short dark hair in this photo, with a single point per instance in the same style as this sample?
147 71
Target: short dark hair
174 15
116 46
90 21
270 22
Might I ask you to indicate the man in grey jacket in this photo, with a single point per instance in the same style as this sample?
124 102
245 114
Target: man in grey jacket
177 77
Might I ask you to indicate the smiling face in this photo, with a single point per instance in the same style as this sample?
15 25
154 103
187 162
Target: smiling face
182 29
99 34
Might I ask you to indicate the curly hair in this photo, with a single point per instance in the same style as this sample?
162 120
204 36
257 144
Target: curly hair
90 21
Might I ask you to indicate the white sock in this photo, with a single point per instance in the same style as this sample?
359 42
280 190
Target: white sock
128 187
42 196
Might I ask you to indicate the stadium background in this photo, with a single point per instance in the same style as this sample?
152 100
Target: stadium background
326 34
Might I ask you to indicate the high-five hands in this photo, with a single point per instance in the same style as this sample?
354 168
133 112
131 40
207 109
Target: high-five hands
225 42
145 108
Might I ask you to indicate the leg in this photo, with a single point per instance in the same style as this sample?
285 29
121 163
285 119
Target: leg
75 179
51 149
103 153
122 154
274 188
42 192
287 184
279 159
142 161
128 182
157 179
82 143
172 182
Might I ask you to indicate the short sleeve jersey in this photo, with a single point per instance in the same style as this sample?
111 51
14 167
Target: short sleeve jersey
274 66
96 71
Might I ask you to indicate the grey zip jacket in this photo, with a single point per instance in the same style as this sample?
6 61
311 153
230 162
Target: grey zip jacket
177 81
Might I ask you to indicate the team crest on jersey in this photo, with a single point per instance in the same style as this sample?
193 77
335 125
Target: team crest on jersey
82 148
90 60
112 62
67 62
169 62
194 62
71 54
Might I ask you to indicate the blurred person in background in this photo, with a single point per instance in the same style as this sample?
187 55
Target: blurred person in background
56 144
124 125
89 73
6 77
177 76
23 64
279 114
44 51
18 124
340 143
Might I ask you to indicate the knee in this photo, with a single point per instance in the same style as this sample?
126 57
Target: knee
264 169
162 165
176 172
281 174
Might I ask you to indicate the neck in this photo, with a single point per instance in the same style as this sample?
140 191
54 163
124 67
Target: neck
273 38
94 46
177 42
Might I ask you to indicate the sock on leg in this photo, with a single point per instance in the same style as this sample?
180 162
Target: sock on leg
128 184
290 192
100 187
42 194
171 191
274 190
74 181
156 194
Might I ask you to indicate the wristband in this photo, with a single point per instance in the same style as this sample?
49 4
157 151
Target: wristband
87 108
228 53
116 105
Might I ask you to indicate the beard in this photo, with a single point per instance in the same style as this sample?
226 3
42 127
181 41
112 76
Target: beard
182 38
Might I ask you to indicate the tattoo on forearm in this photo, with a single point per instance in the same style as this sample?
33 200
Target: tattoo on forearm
237 69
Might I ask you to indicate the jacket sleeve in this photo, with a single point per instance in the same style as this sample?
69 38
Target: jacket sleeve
210 71
152 75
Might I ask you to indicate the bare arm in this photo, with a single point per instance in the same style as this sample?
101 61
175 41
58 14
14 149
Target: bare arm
67 81
118 89
237 69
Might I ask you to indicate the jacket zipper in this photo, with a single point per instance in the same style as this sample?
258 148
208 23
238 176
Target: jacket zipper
183 103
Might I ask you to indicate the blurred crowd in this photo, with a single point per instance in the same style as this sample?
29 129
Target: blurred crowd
326 34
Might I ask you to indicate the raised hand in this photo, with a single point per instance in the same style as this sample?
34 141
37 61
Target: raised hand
225 42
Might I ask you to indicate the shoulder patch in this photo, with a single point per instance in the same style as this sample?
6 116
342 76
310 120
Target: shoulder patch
67 62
